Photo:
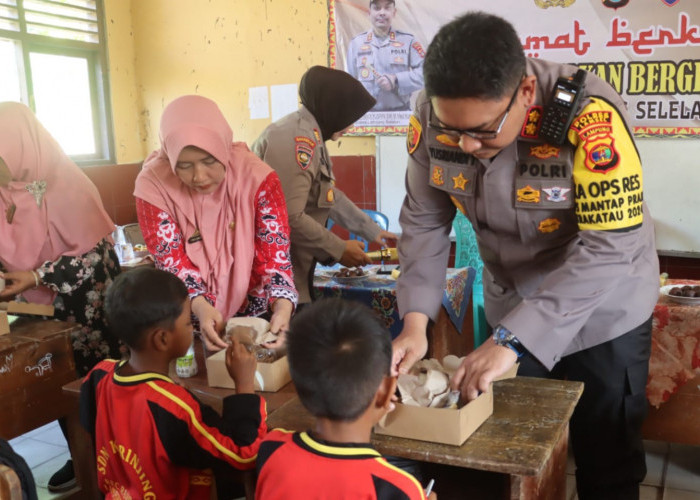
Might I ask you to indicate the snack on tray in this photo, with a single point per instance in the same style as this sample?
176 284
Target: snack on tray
685 291
349 273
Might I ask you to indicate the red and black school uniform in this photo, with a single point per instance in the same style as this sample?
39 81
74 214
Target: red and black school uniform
154 439
297 466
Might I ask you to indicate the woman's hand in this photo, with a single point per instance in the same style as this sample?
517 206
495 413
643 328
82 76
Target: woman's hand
17 282
210 322
279 322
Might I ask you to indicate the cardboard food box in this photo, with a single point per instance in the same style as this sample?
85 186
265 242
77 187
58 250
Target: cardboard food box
23 308
439 425
269 377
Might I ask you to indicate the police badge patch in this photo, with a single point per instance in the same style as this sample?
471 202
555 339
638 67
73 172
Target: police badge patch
601 155
304 151
413 134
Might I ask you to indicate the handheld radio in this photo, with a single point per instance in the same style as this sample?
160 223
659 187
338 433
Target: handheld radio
562 107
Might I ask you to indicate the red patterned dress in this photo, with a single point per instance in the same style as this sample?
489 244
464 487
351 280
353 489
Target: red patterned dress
271 277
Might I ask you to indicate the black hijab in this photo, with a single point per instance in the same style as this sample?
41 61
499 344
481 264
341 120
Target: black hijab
334 97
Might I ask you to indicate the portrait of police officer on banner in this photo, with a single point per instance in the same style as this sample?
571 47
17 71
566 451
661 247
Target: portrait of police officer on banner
388 62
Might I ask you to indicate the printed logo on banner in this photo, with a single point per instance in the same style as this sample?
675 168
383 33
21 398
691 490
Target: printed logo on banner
418 48
545 4
615 4
670 3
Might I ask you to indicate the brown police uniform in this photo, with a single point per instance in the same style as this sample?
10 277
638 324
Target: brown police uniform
567 244
293 146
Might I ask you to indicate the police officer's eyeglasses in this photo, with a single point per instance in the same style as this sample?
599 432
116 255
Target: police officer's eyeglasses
457 133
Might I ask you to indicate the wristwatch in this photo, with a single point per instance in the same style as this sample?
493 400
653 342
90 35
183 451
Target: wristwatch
503 336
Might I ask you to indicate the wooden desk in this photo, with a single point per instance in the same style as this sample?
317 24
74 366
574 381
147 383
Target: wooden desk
523 445
36 360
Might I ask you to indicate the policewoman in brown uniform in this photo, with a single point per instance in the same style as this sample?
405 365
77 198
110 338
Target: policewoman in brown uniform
295 147
570 266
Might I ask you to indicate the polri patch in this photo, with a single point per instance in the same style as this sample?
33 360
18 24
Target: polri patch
304 151
413 134
330 196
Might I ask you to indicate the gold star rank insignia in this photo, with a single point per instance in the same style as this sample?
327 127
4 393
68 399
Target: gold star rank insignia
460 182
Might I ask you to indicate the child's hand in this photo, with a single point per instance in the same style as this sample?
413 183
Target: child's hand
241 365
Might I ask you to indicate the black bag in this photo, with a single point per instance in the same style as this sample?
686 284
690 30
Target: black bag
15 462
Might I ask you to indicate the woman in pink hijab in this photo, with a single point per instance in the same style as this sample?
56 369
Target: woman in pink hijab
213 214
55 243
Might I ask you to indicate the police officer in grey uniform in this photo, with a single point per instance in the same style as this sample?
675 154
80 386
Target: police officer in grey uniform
295 147
389 63
570 267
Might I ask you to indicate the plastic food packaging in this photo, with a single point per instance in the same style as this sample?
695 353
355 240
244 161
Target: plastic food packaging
186 366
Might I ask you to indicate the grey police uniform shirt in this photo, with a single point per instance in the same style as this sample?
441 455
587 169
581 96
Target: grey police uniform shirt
566 239
400 54
294 148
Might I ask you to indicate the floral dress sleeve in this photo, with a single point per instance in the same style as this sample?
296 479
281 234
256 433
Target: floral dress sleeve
164 240
271 277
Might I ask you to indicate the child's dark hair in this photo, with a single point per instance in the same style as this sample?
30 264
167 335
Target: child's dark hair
142 298
339 351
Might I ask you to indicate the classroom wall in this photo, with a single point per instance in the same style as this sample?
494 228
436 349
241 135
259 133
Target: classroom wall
161 49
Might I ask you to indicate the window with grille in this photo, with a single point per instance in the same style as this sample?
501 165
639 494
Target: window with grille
53 56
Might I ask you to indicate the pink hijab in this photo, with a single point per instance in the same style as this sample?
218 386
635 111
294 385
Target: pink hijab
68 219
226 217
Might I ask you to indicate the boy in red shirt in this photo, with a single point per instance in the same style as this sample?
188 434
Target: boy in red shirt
339 357
153 438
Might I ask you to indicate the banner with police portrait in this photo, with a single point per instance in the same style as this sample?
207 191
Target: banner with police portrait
648 50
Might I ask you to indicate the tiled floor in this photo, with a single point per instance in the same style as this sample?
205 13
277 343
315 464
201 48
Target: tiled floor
673 469
673 473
